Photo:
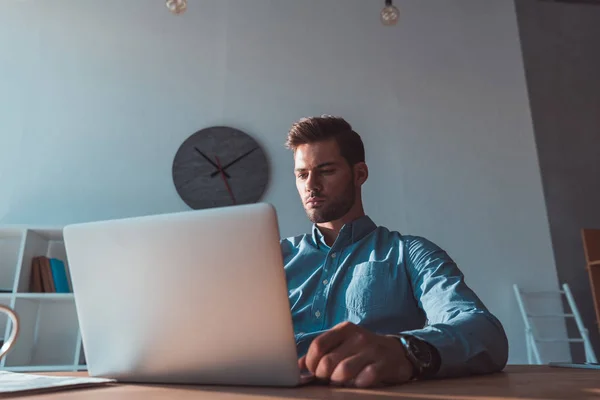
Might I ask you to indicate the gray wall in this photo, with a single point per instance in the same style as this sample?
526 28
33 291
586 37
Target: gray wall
96 97
561 49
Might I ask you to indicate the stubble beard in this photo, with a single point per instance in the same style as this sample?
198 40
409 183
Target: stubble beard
335 208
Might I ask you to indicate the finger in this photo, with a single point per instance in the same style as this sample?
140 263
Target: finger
302 363
347 370
371 375
330 361
324 343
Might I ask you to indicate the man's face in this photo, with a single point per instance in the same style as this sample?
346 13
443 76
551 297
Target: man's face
324 181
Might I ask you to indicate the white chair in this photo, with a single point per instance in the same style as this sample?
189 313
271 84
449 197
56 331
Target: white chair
531 337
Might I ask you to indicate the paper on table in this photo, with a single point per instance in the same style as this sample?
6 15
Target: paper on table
14 382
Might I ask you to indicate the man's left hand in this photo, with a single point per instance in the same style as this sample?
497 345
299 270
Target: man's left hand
353 356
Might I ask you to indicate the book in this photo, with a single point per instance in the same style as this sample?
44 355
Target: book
35 279
48 275
59 275
46 272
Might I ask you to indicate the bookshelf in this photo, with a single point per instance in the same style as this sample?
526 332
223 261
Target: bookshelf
49 339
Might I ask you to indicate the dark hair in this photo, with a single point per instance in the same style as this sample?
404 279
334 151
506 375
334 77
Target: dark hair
325 127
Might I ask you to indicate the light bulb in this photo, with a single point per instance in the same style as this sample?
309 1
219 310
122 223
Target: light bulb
177 6
389 14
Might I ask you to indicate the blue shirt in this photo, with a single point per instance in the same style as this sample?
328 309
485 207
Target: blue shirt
390 283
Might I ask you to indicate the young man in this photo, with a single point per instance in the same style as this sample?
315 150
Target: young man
371 306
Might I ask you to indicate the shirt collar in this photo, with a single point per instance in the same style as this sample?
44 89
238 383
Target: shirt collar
350 233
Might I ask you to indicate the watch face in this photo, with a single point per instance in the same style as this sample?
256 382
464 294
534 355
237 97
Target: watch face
421 351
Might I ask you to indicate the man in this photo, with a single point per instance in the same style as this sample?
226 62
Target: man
371 306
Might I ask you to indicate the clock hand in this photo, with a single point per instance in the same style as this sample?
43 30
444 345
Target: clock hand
213 164
233 162
223 175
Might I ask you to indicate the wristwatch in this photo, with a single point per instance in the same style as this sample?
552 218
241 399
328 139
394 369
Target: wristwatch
424 358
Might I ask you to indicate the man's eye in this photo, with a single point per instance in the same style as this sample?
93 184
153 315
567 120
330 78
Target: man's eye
302 176
327 171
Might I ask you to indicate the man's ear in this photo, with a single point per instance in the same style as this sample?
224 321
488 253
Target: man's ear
361 173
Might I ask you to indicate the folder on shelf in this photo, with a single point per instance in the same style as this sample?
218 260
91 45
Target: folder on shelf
59 275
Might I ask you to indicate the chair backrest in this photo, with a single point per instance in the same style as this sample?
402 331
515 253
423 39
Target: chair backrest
591 244
591 247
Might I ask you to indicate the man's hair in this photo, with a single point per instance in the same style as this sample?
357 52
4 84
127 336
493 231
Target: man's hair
326 127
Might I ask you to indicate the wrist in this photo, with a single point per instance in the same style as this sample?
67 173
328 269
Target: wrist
423 357
407 368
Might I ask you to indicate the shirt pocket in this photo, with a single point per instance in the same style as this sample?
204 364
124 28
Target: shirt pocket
367 286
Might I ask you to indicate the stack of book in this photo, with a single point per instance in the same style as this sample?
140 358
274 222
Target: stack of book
48 275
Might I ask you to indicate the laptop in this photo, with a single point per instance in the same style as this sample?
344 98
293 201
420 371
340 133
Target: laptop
194 297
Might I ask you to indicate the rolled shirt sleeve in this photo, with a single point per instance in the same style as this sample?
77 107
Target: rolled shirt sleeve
469 339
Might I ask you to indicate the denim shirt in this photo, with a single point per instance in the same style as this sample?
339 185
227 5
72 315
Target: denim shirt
390 283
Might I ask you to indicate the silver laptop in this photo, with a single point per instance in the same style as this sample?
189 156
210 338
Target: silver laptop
191 297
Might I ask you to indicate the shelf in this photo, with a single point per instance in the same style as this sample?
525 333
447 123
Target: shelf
49 338
45 296
5 301
47 368
10 232
49 331
10 247
37 296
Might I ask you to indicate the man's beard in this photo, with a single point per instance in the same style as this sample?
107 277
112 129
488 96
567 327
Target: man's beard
335 208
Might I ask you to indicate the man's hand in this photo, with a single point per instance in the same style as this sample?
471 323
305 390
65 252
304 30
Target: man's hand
351 355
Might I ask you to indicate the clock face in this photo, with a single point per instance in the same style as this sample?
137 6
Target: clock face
220 166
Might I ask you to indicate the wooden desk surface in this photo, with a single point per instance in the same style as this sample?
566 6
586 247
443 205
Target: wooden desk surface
516 382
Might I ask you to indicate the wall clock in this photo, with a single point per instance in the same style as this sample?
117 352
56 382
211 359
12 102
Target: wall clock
220 166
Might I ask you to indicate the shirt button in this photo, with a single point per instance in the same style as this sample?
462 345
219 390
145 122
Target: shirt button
333 255
318 314
325 282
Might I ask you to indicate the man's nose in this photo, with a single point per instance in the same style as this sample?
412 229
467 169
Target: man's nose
312 183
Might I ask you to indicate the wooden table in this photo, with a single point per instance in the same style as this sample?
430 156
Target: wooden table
516 382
